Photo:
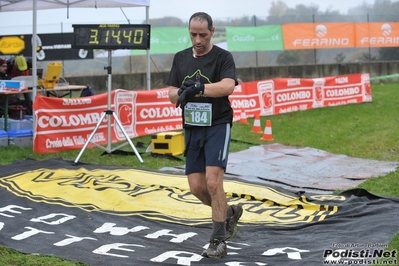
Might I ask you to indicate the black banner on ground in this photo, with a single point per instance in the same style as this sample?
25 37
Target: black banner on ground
107 215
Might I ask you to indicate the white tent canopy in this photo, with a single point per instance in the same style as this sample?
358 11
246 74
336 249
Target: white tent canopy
23 5
34 5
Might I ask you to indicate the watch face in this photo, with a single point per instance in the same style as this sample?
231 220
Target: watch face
112 36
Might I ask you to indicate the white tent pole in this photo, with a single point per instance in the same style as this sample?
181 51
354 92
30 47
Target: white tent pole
34 36
34 67
147 15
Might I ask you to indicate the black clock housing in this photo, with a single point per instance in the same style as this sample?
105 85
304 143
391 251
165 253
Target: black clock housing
111 36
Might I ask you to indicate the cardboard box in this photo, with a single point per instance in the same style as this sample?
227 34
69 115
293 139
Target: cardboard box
13 85
20 138
171 143
3 138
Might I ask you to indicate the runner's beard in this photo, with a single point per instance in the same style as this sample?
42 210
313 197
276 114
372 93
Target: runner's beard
200 49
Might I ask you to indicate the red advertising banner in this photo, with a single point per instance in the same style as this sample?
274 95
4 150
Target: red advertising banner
285 95
66 123
318 35
377 34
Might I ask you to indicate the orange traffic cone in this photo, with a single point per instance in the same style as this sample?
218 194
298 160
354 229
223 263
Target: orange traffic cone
267 134
243 117
256 128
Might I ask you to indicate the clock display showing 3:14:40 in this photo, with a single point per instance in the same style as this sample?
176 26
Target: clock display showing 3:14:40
111 36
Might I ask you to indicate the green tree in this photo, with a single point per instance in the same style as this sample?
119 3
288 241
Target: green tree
167 22
339 58
362 55
380 11
296 57
388 53
135 64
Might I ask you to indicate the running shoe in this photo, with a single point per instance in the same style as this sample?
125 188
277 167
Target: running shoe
217 249
231 222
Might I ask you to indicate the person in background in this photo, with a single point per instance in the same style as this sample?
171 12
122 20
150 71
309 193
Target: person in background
4 76
3 69
200 81
19 66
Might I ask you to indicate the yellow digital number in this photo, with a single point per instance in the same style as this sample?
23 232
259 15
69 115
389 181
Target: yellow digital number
138 36
117 36
106 36
93 36
127 35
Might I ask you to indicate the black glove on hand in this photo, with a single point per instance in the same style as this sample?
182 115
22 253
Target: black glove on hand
200 86
188 94
185 85
180 91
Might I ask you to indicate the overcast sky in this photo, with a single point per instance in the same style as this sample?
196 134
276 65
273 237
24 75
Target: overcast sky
238 8
55 20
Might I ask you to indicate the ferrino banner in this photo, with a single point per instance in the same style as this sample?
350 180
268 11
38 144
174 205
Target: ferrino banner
384 34
318 35
66 123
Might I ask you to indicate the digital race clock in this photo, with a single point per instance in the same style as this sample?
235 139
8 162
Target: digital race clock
111 36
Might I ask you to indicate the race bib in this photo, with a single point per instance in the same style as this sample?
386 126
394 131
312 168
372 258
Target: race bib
198 114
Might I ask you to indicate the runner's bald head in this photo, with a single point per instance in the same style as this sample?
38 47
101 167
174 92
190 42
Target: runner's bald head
202 16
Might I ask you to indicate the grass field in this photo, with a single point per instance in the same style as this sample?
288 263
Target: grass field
368 130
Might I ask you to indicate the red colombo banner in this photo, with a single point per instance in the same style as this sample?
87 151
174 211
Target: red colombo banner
285 95
67 123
